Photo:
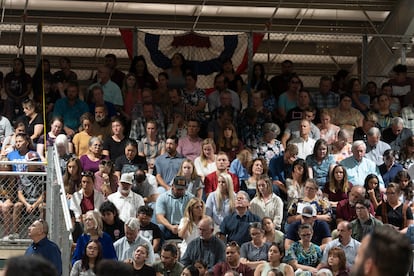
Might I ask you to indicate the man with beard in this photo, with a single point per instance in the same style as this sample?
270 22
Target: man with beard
126 201
102 125
170 207
70 108
169 265
168 164
384 252
345 242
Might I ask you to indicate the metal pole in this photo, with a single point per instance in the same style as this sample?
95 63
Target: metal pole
39 44
249 63
135 42
364 61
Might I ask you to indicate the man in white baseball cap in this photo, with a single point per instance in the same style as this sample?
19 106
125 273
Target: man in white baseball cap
126 201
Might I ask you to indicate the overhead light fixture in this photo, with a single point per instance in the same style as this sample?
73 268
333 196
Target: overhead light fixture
188 10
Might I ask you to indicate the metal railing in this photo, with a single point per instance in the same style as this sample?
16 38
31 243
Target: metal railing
57 210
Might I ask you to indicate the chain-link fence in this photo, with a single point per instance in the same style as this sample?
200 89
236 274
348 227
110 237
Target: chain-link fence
22 200
34 191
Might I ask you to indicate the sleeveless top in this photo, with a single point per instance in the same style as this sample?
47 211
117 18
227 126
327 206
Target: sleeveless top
267 267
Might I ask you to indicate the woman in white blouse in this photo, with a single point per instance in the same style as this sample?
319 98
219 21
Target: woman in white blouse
206 162
266 203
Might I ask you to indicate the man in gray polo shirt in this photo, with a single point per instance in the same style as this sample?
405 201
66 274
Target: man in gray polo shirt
170 207
168 164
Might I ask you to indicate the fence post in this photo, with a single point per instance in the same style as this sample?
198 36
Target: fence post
39 42
134 42
364 61
54 214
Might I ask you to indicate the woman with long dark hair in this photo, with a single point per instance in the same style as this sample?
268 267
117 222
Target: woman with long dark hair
92 255
275 256
72 176
372 189
407 187
338 186
295 183
144 78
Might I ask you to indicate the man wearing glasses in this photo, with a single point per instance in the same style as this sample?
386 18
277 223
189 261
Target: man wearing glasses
42 246
365 222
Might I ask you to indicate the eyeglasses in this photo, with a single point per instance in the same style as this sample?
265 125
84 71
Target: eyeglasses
87 173
306 235
106 163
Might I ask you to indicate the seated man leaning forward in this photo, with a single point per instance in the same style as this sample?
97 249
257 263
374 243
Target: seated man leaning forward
170 207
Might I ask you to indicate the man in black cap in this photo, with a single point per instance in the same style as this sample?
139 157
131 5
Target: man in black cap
321 233
170 207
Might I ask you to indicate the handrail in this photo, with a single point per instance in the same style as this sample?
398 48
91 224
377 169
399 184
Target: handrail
66 214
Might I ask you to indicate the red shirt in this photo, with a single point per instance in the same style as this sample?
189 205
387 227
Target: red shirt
87 203
346 212
211 182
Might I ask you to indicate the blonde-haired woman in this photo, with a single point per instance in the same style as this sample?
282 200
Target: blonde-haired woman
187 229
266 203
221 202
329 131
93 228
206 162
194 183
240 164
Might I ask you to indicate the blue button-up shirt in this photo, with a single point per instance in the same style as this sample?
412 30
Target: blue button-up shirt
357 171
48 250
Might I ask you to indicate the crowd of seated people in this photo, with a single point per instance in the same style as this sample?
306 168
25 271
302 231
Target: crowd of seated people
259 179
